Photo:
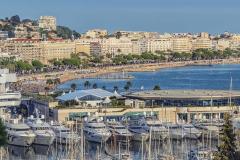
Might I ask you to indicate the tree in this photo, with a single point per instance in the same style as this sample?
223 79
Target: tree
15 20
3 134
87 84
94 85
37 64
115 88
227 148
156 87
126 87
104 87
73 86
49 82
129 83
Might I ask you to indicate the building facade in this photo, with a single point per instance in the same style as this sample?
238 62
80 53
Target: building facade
48 23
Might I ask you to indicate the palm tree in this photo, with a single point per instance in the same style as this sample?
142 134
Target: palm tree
104 87
94 86
73 86
156 87
126 87
115 88
87 84
129 83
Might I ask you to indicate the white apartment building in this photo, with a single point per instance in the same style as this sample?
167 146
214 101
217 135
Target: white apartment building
160 44
114 46
47 23
181 44
7 97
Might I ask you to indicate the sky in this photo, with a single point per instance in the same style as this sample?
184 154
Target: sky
213 16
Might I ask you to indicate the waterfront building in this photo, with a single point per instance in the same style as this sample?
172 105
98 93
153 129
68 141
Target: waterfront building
48 23
56 50
7 97
202 42
31 49
168 105
160 44
235 41
223 44
139 46
114 46
88 47
181 44
89 98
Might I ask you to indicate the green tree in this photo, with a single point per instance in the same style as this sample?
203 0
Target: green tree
49 82
73 86
156 87
129 83
87 84
3 134
104 87
37 64
126 87
227 148
94 85
115 88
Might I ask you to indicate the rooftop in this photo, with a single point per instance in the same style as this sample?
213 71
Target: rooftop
99 93
184 94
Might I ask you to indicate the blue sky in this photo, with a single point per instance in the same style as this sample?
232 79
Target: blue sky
214 16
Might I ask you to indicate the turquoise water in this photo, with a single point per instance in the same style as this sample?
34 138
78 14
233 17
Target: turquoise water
189 77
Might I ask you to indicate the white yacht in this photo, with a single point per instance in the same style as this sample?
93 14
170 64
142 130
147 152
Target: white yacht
64 135
210 128
139 129
175 131
158 131
119 131
191 132
43 131
96 131
18 133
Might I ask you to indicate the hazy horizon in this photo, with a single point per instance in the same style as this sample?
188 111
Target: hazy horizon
215 16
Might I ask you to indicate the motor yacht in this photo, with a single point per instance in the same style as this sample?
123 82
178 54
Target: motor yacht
43 131
64 135
119 131
139 128
18 133
95 130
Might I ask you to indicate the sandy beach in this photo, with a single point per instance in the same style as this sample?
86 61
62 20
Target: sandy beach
96 71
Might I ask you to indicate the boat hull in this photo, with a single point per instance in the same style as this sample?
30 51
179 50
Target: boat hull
97 138
44 140
19 140
140 137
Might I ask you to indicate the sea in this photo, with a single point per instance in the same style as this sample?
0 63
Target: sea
217 77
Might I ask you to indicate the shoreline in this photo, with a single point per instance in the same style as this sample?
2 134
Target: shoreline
69 75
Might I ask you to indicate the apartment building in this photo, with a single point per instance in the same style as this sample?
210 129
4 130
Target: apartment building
139 46
89 48
203 41
41 50
181 44
47 23
114 46
160 44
